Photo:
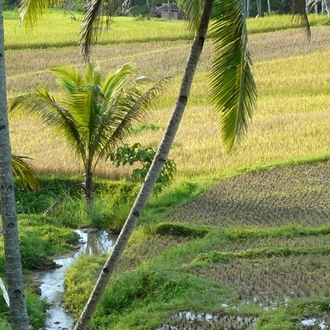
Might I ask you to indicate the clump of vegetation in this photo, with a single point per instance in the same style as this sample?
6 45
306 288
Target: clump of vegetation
143 156
181 230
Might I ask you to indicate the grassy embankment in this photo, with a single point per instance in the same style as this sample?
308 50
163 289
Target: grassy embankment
251 241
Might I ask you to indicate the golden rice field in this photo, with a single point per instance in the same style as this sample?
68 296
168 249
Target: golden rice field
290 121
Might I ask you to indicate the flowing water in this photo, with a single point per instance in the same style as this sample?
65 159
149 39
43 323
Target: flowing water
52 281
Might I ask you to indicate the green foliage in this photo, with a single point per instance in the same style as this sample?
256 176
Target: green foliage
36 249
24 173
229 36
179 192
145 127
29 201
79 280
41 238
4 323
182 230
10 5
118 216
108 211
135 154
283 231
116 192
71 212
36 308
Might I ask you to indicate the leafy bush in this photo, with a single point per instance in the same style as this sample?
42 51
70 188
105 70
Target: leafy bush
135 154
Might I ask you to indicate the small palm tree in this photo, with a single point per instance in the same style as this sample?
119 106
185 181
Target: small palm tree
92 115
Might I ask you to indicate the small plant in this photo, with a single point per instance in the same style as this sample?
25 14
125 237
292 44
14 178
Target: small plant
135 154
180 230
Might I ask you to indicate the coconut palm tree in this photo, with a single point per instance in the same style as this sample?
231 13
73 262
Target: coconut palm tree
17 309
92 115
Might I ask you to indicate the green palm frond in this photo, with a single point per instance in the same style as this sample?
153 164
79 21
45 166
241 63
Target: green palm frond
24 173
93 74
192 10
69 78
233 90
108 102
31 10
114 81
98 14
52 113
129 108
298 8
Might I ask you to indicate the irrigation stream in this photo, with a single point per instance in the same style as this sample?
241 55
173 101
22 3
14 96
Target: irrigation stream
52 281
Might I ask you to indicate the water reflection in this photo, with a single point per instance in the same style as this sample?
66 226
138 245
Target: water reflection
96 242
52 287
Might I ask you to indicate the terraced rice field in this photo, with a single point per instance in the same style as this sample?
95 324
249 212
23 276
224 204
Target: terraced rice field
270 245
291 195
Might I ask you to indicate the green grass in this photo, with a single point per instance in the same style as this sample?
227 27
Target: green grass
152 291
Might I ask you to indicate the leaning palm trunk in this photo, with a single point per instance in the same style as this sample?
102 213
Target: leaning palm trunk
18 313
154 170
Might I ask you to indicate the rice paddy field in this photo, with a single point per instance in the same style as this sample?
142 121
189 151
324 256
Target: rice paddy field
252 251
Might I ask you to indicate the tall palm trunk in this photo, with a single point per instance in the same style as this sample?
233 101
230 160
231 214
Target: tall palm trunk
17 310
154 170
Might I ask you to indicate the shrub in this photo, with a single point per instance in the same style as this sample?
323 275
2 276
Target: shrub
135 154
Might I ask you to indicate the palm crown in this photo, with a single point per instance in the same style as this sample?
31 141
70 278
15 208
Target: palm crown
93 115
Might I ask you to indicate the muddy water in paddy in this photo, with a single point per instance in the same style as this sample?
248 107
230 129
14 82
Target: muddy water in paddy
52 281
